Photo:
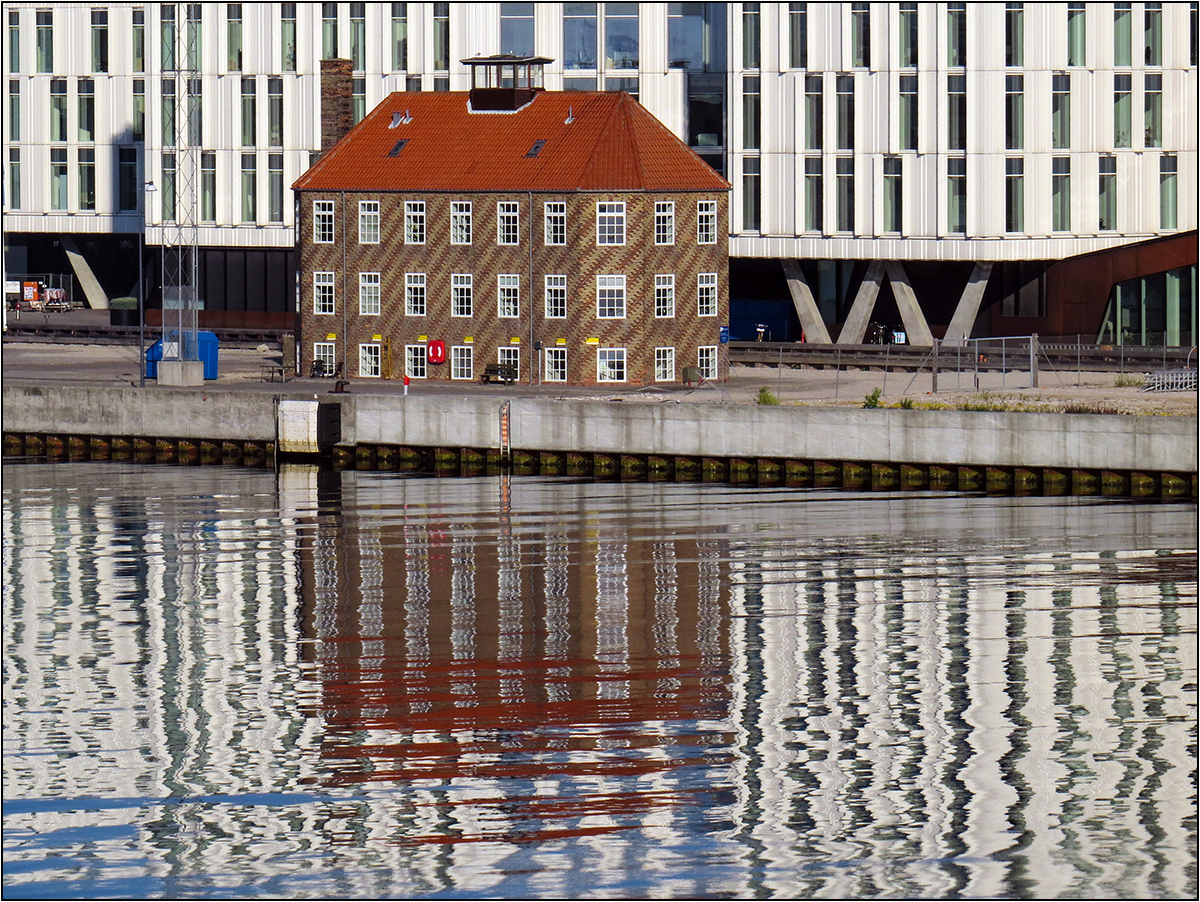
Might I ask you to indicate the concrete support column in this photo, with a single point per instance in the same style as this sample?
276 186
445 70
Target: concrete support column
855 328
92 290
963 320
910 311
806 307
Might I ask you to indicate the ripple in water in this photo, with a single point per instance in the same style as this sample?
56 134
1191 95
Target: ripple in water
315 683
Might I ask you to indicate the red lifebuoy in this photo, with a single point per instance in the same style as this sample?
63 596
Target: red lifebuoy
437 351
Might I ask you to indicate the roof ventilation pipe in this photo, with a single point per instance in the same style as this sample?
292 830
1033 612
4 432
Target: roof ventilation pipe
570 116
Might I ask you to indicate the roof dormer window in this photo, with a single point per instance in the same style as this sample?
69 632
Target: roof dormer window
505 82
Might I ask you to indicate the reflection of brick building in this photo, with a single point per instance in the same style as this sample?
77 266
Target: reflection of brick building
569 234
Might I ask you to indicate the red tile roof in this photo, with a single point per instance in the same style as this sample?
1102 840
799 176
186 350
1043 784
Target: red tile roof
612 144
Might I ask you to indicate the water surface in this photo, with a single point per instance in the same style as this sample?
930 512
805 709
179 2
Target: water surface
232 682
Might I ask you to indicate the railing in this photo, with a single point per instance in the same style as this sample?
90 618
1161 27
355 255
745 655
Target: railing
1170 380
1018 361
63 282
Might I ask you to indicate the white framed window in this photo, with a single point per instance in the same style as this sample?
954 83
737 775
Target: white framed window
706 294
706 222
664 364
369 361
664 295
664 222
556 365
462 362
555 227
706 361
508 225
610 297
415 361
556 297
325 352
368 222
610 223
322 222
610 364
414 294
414 222
461 289
368 294
322 292
512 357
460 222
508 296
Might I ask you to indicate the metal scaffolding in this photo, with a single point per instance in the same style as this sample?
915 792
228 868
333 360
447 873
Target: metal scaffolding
181 188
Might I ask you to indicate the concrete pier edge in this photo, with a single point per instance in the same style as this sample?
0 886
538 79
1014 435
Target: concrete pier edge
879 449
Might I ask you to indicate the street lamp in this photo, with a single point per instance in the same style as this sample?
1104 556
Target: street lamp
149 188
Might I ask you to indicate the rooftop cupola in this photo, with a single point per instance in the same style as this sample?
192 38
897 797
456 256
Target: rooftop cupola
504 82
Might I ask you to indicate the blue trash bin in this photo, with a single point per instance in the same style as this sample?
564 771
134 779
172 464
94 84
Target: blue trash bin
207 348
153 356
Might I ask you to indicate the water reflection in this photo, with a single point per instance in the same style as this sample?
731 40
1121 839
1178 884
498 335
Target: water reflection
355 683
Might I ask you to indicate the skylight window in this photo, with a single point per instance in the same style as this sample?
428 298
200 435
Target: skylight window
397 147
537 148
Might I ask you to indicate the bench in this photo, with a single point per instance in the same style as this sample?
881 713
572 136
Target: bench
501 371
268 371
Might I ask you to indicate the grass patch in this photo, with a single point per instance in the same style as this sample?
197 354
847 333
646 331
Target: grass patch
1124 381
871 401
766 398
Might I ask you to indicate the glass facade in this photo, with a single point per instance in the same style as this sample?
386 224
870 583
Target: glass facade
893 194
1076 34
1108 193
1122 34
1014 195
1014 34
908 35
1060 194
516 28
798 35
956 195
956 112
1158 309
1060 112
908 112
621 36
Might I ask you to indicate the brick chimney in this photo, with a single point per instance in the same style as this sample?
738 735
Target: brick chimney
337 101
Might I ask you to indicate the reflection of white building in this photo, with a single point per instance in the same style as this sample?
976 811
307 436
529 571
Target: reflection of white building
715 689
917 697
150 612
941 155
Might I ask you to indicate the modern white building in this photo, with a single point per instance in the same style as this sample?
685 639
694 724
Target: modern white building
940 164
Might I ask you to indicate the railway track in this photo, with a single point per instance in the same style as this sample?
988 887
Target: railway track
37 328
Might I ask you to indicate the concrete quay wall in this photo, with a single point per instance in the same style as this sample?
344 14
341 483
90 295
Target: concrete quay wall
1083 441
918 437
87 410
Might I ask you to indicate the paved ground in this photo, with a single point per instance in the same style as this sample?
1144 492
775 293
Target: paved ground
241 370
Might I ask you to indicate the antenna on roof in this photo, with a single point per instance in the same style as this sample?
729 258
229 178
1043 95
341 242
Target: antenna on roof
570 115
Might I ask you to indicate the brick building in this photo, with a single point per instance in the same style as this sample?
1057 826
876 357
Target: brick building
569 234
